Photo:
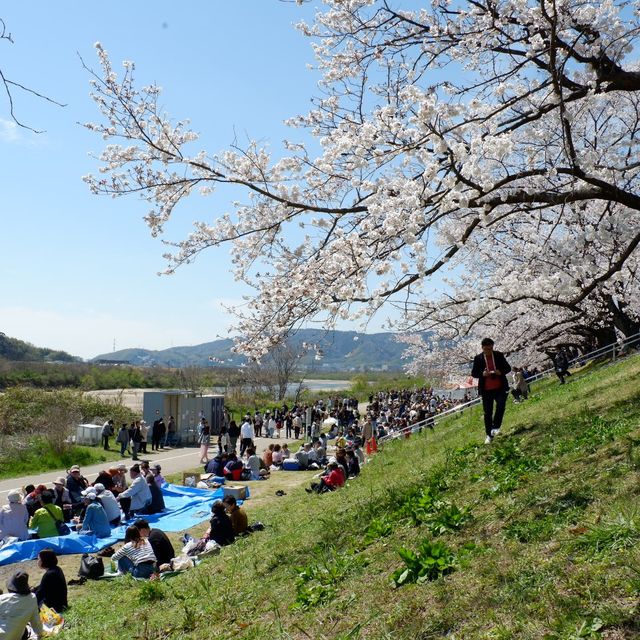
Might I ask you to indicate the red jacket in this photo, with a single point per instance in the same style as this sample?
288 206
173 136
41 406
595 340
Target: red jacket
335 479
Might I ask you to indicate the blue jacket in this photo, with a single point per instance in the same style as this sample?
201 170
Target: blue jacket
95 521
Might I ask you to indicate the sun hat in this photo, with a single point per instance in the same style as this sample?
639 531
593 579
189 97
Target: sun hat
15 496
75 467
89 495
99 487
19 583
61 481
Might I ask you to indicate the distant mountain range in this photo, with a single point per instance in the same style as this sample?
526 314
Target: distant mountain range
330 351
20 351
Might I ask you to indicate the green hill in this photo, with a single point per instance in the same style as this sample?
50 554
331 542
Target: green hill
20 351
535 536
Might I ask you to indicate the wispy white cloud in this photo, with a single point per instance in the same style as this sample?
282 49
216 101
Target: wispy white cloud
9 131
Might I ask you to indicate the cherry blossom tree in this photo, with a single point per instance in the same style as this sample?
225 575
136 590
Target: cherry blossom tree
442 130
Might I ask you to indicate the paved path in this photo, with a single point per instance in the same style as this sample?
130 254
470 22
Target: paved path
172 461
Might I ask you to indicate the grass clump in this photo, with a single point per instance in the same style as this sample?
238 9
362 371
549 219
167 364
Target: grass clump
429 562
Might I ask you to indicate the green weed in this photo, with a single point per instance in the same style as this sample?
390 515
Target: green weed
429 562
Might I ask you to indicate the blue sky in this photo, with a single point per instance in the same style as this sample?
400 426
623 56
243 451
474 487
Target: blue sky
78 271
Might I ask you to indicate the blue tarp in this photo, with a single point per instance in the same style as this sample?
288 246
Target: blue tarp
185 507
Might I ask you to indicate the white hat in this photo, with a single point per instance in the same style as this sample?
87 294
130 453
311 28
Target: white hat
15 495
89 494
333 460
98 487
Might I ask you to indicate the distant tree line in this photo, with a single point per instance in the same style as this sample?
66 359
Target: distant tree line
86 376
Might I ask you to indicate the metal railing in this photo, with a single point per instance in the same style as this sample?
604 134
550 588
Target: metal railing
614 350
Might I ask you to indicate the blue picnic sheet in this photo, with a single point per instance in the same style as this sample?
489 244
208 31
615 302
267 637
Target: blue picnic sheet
185 507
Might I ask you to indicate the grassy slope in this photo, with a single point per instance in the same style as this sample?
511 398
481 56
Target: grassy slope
551 549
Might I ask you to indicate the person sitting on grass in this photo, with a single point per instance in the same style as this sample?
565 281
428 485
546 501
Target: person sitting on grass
157 500
253 465
137 496
159 541
286 452
95 518
31 498
267 456
14 518
233 468
136 556
353 464
332 479
18 608
109 504
62 498
44 519
216 465
221 529
237 515
52 590
277 457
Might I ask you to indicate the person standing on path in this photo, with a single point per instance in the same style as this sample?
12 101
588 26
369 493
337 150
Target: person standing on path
107 432
204 440
490 368
158 431
246 435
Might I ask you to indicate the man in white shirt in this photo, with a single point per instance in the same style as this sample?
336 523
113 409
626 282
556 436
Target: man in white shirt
246 435
137 496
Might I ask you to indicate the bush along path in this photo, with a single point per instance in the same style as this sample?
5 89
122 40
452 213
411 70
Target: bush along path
537 536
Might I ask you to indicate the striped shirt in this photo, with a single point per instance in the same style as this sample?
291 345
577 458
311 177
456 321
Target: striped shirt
137 555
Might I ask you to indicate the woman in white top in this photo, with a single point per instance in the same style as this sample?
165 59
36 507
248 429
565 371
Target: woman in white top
136 556
14 518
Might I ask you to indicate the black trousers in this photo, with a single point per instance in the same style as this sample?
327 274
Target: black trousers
105 442
493 419
244 444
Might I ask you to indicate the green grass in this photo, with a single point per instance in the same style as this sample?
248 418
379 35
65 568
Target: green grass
37 457
537 538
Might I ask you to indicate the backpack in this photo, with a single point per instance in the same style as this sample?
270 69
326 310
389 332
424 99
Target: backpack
91 567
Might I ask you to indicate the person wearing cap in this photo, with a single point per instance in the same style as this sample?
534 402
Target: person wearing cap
95 518
14 517
137 496
156 470
18 608
109 504
76 484
44 519
62 498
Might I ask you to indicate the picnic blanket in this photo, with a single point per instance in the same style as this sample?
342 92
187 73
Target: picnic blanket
185 507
